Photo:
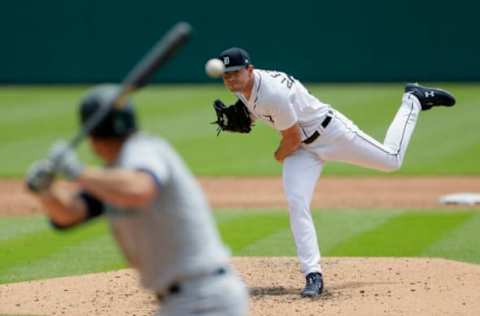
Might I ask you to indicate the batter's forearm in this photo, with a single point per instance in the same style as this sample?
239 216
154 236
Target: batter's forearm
123 188
62 207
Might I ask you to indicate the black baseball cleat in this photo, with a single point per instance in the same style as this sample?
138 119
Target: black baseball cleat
430 97
314 285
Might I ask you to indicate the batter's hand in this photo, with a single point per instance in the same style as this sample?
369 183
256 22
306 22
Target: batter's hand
65 161
40 176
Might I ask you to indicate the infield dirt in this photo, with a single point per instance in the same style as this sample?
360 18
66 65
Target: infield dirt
267 192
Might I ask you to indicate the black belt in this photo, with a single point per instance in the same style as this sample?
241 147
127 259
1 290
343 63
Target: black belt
324 124
176 287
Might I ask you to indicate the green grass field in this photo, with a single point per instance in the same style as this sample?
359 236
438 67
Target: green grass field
446 140
30 249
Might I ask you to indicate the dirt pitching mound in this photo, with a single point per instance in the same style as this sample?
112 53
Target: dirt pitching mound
354 286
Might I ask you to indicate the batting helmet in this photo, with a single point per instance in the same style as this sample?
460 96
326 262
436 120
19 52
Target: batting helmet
118 123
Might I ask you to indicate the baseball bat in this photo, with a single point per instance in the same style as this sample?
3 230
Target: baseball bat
139 76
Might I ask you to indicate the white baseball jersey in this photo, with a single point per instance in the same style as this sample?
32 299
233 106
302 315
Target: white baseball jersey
281 101
175 237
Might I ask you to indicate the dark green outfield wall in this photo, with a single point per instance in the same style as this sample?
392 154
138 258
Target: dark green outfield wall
99 40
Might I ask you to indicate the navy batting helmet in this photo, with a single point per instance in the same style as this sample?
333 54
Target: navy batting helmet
118 123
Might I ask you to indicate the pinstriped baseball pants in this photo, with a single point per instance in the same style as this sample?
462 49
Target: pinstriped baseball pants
208 296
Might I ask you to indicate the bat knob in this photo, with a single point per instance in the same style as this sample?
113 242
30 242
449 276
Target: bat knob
183 28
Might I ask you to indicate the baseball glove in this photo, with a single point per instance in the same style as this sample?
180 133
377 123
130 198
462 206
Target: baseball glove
234 118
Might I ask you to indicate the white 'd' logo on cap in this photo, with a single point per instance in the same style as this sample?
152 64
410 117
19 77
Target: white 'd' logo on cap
226 60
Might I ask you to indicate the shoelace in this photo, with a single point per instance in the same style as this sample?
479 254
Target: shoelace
311 279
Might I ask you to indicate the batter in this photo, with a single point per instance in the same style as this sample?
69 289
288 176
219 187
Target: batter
157 211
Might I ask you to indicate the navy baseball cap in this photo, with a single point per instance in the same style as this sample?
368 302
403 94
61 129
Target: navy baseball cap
234 59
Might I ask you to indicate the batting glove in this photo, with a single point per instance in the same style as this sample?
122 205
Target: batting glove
65 161
40 176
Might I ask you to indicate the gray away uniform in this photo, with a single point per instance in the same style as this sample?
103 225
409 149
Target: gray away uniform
173 242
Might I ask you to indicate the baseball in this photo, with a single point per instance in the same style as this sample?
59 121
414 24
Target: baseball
214 68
